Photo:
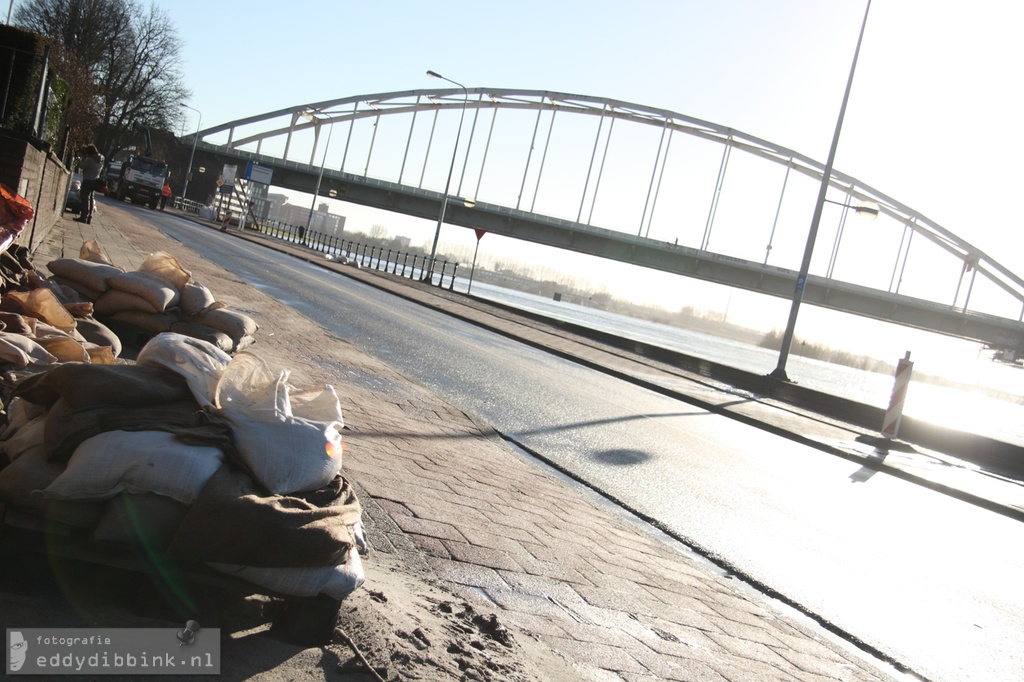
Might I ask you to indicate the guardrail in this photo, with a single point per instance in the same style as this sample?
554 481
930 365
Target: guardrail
392 261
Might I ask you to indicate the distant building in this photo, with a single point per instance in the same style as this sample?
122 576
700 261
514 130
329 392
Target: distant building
322 220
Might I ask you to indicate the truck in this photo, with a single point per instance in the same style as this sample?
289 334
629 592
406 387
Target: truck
142 180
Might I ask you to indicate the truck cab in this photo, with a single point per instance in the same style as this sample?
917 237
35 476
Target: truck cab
142 180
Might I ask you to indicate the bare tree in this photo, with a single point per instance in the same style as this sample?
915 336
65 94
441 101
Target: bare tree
133 55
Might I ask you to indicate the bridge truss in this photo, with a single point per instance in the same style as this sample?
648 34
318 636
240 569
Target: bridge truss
658 174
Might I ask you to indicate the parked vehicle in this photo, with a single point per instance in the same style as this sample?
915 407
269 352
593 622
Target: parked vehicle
113 175
73 202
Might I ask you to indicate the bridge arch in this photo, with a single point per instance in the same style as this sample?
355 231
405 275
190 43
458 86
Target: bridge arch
424 141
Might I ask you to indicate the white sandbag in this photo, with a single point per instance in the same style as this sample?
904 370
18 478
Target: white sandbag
136 462
332 581
88 273
199 362
290 440
115 301
231 322
195 298
153 288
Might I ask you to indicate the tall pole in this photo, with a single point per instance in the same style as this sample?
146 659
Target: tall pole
192 156
801 281
320 177
447 185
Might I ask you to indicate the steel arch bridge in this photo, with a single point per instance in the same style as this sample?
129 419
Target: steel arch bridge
636 184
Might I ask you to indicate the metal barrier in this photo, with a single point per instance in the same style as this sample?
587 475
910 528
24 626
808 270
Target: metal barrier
368 256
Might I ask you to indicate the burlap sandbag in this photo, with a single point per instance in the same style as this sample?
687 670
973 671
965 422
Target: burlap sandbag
204 333
71 289
21 351
195 298
233 323
116 301
88 273
98 333
153 288
166 267
43 304
155 323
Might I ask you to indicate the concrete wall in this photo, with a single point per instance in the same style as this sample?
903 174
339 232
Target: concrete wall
31 169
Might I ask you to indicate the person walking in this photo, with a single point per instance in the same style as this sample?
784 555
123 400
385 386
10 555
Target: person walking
91 165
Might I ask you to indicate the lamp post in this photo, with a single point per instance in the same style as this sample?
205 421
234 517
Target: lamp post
319 178
801 280
192 156
447 185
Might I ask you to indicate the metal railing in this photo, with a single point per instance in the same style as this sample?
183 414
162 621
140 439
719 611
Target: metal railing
407 264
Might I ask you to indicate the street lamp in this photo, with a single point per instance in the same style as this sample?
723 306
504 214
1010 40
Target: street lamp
447 185
801 280
311 115
192 156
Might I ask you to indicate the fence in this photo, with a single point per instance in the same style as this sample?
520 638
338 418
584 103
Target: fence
369 256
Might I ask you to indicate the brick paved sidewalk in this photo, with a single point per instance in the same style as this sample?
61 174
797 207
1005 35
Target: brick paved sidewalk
505 533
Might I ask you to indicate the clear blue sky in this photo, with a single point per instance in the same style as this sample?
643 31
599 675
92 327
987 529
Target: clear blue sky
932 121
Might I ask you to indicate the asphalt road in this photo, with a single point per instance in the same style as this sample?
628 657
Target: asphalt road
931 581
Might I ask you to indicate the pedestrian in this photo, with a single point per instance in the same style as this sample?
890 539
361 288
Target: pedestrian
90 166
165 195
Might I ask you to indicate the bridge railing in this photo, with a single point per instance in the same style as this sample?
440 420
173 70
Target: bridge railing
407 264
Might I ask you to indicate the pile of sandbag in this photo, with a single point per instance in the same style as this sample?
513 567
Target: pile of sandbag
36 329
160 296
193 454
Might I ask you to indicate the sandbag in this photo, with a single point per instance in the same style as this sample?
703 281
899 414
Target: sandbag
154 289
29 436
16 323
233 323
195 298
116 301
204 333
98 333
92 251
21 481
43 304
141 519
99 355
20 412
84 386
64 348
290 440
76 290
136 462
89 274
20 351
154 323
332 581
167 268
200 362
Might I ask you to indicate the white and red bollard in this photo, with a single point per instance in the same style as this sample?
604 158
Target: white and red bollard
894 413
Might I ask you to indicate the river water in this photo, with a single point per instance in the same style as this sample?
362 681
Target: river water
987 398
